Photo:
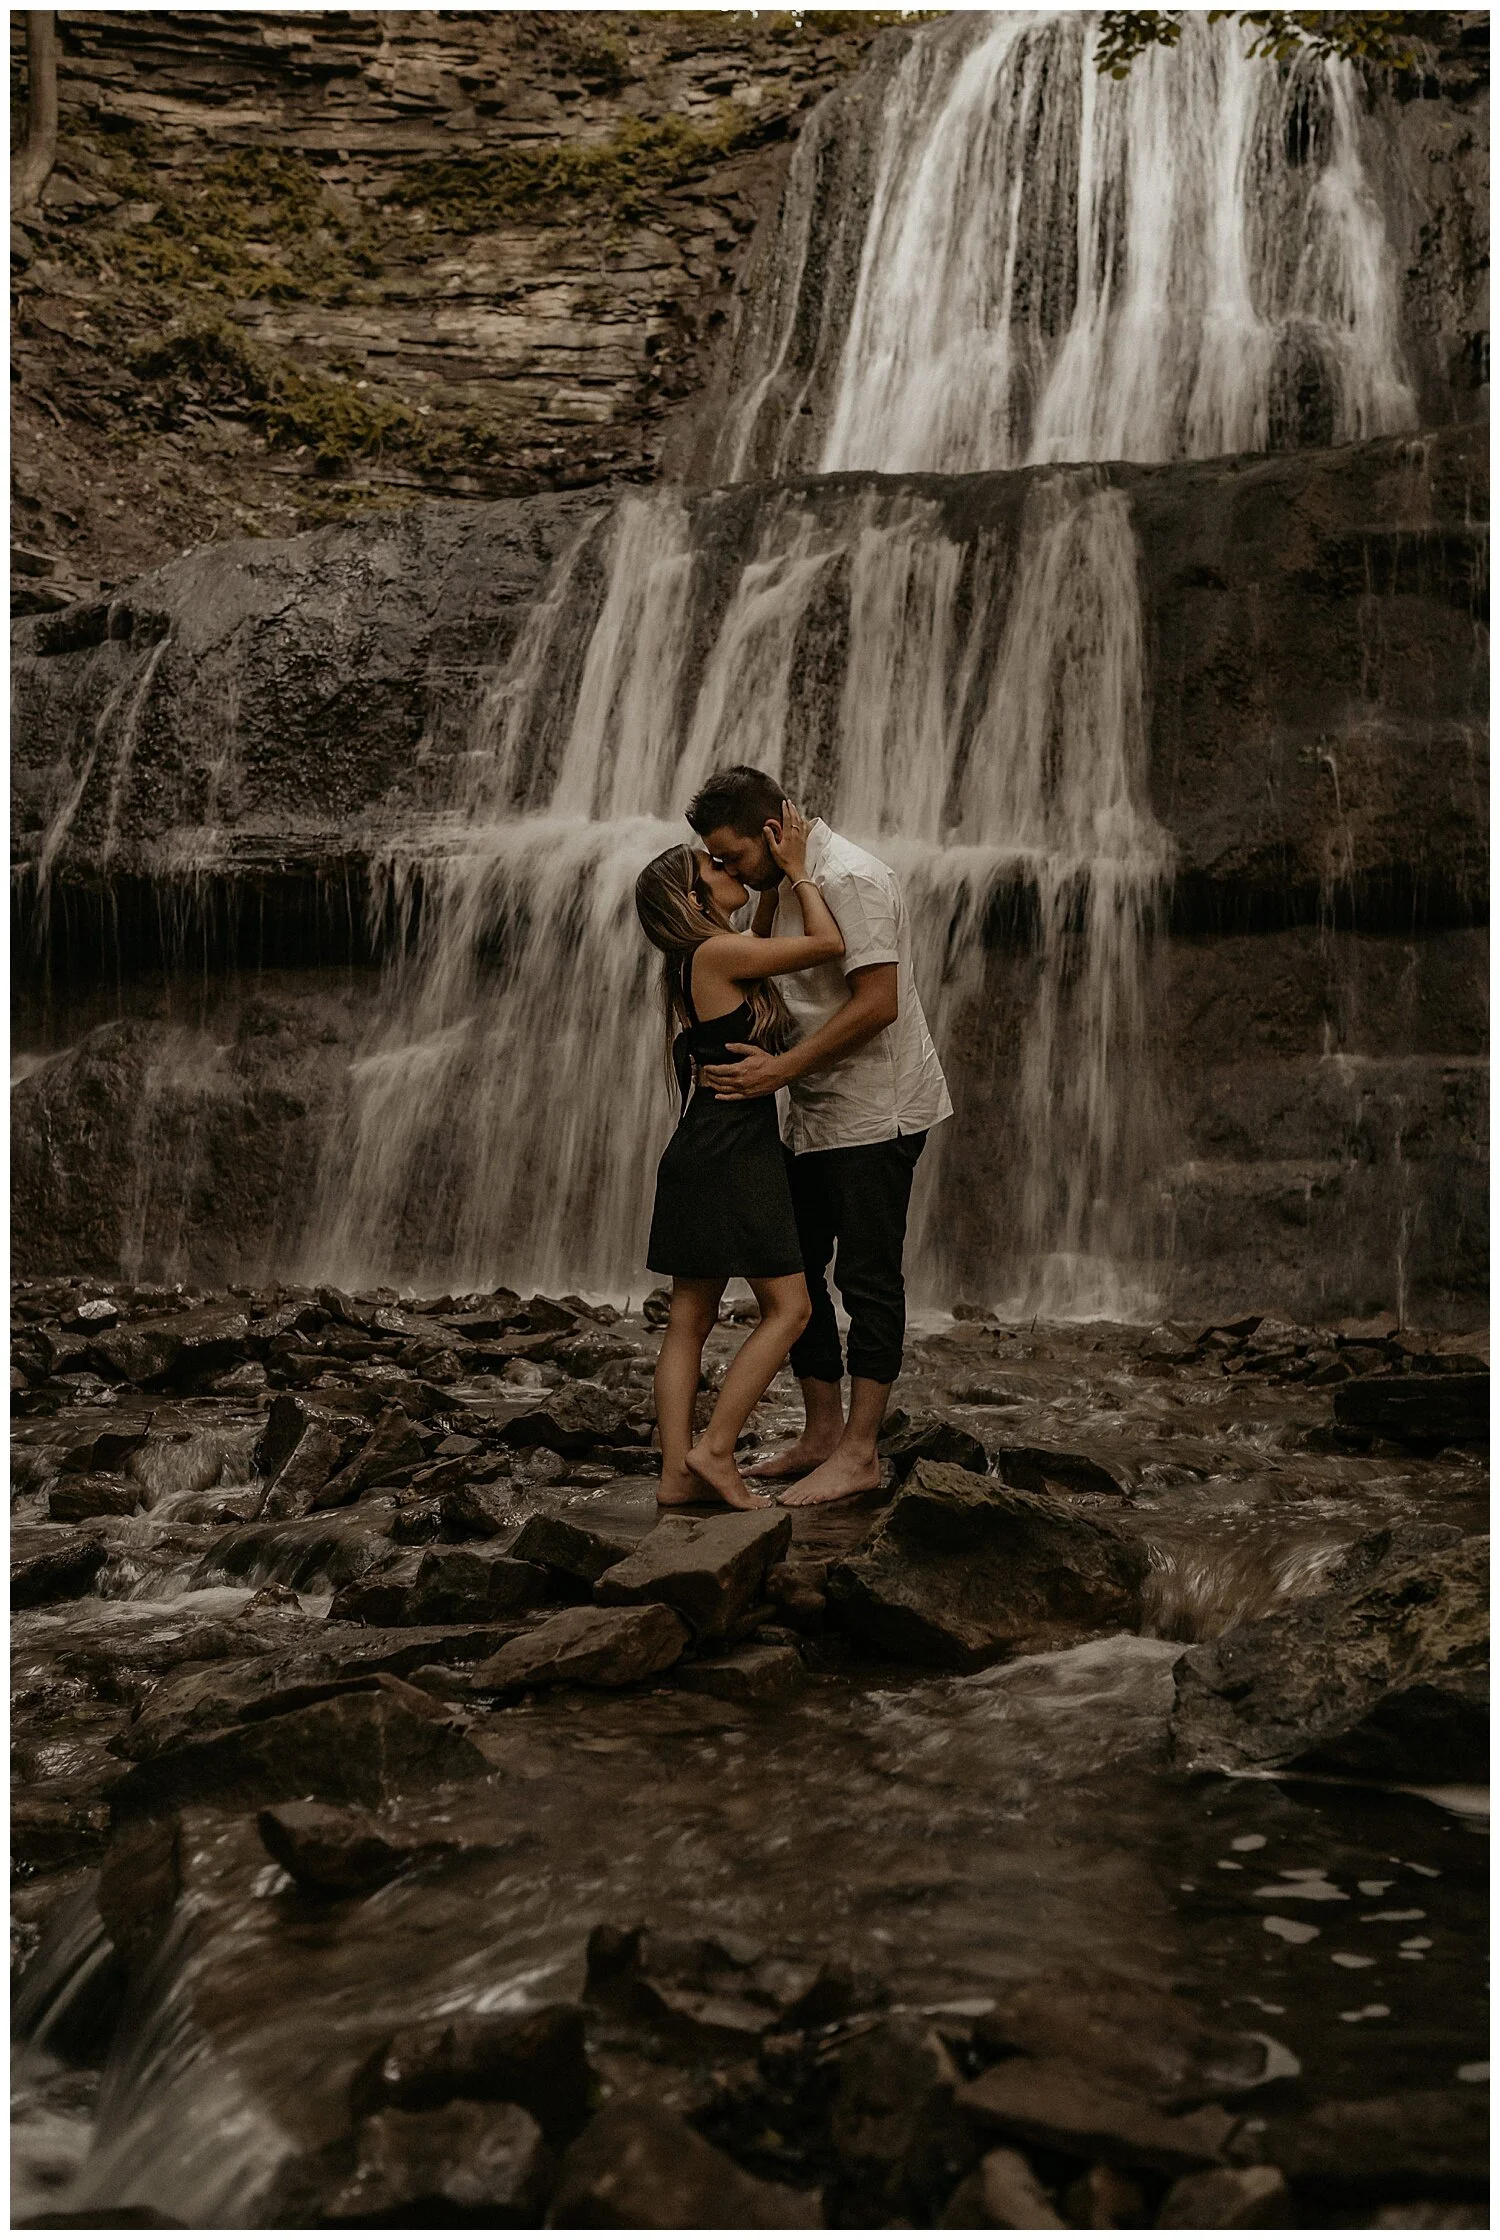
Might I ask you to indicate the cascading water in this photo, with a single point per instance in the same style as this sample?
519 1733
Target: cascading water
988 256
1027 261
976 710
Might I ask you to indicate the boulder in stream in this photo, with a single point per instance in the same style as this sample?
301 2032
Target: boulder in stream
472 1583
639 2167
176 1350
49 1563
1390 1681
587 1648
581 1552
74 1500
1138 2036
710 1570
1422 1410
571 1419
907 1440
1252 2200
537 2059
1054 2103
1003 2194
303 1447
466 2163
963 1570
331 1850
367 1748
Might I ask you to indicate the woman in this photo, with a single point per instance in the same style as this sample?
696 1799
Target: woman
723 1207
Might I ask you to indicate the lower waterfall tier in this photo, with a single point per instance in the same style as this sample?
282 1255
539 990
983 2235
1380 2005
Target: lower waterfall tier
328 848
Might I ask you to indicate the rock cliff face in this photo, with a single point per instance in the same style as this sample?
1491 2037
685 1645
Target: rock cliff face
207 768
293 263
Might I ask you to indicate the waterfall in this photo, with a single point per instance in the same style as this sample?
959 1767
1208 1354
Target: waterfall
970 706
1025 261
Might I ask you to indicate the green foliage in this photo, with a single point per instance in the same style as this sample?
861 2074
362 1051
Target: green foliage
640 160
1381 37
259 223
336 419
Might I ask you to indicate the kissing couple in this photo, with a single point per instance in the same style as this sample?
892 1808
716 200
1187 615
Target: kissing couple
816 998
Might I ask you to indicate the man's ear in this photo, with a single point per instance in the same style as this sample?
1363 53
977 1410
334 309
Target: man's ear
772 827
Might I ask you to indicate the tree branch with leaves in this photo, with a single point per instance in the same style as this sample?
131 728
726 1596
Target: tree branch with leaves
1381 38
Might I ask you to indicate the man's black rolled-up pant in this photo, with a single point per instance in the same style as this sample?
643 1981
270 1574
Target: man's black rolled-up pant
854 1199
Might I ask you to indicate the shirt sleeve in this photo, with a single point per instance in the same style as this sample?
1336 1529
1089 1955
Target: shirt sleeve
866 912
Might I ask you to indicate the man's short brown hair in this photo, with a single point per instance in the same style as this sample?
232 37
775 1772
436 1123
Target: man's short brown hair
742 797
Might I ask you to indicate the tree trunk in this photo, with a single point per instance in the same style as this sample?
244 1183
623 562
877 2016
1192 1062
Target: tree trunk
31 166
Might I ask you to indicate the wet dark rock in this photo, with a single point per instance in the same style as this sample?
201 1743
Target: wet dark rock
392 1448
718 1995
963 1570
1446 1410
1046 1469
1392 1680
1252 2200
1131 2033
129 2219
571 1419
53 1564
303 1447
537 2059
588 1648
710 1570
473 1583
579 1551
75 1500
310 1553
365 1748
465 2162
754 1674
798 1594
894 2128
332 1850
638 2167
380 1596
177 1350
51 1832
1053 2103
1404 2141
907 1440
139 1884
1103 2199
107 1451
1004 2194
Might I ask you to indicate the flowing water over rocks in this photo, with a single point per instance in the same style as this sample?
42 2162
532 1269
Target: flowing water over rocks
817 1926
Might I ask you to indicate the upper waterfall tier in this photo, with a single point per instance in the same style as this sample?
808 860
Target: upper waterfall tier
988 255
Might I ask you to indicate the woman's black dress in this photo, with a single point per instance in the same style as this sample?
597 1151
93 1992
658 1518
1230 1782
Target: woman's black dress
723 1205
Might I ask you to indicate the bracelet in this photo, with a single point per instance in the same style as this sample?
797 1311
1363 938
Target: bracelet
796 883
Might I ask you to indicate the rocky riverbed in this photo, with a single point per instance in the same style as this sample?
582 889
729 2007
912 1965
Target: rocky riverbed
412 1829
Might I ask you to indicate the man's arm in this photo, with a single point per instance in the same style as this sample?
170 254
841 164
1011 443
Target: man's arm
872 1007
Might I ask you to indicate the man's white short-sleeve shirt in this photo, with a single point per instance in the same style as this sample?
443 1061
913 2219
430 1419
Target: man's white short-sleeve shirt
893 1085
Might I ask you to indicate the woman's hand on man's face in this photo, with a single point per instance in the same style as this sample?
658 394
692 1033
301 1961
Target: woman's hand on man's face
786 838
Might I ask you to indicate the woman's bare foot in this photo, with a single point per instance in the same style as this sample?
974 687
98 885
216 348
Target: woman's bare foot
678 1489
792 1462
719 1474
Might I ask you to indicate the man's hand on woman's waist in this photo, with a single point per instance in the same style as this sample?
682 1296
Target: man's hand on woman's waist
871 1008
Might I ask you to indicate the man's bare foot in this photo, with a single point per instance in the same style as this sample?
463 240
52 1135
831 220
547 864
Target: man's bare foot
679 1489
837 1479
792 1462
719 1475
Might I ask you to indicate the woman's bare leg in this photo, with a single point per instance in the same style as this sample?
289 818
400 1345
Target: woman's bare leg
679 1365
784 1312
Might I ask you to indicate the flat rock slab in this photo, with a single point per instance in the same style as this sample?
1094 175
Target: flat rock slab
708 1569
1053 2103
1138 2038
756 1674
580 1551
1391 1681
53 1564
587 1648
474 1582
641 2168
362 1749
963 1570
1253 2200
1452 1409
446 2165
1417 2140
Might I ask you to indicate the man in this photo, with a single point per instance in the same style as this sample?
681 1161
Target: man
864 1087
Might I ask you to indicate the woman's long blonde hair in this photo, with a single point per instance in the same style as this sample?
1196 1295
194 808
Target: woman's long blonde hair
678 914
